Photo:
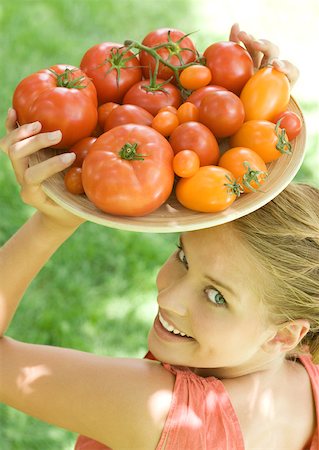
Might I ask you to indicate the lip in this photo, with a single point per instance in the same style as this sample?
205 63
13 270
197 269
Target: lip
167 335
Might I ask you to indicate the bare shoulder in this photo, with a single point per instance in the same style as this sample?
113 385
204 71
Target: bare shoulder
277 412
96 396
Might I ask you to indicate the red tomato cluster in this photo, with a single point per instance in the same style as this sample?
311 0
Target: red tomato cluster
139 115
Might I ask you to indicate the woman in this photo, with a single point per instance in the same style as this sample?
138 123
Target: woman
237 323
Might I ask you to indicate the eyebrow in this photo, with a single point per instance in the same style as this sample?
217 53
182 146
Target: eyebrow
208 277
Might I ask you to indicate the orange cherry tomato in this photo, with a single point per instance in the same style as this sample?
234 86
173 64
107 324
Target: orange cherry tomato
104 111
73 180
211 189
247 166
195 77
264 138
188 112
169 108
186 163
165 122
265 95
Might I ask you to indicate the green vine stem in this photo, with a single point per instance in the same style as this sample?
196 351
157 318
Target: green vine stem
283 145
158 58
253 175
66 80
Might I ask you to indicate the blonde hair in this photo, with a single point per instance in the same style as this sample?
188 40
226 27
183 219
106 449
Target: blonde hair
284 236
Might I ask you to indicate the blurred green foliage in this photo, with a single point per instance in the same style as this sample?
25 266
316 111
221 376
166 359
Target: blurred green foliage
98 292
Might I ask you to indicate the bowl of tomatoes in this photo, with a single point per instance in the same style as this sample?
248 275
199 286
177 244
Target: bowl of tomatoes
167 149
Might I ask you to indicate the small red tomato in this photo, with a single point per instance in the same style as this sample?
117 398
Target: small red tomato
73 180
165 123
188 112
81 149
186 163
290 122
195 77
195 136
104 111
222 112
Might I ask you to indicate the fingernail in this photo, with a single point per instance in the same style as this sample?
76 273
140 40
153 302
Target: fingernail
278 63
10 110
34 126
67 157
54 135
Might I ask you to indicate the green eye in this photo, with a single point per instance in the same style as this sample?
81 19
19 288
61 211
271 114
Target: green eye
215 296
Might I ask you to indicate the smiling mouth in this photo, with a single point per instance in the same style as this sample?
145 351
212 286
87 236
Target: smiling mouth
170 328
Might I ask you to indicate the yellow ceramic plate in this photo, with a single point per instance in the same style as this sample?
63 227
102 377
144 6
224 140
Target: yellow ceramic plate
171 216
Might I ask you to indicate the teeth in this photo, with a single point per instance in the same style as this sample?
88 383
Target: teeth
169 327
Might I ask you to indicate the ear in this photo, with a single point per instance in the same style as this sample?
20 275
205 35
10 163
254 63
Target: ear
287 336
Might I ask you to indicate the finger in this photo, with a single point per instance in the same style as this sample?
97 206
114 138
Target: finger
11 120
288 69
249 42
18 134
38 173
233 36
19 151
269 50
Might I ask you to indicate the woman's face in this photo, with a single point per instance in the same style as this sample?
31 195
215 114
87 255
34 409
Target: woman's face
208 295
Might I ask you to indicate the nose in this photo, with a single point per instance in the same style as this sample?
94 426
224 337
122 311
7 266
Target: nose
175 298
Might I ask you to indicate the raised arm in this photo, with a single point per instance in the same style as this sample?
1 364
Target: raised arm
119 402
27 251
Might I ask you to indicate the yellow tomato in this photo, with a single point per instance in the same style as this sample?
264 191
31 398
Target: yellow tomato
265 95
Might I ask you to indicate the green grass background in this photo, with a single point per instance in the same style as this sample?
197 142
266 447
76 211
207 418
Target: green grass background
97 293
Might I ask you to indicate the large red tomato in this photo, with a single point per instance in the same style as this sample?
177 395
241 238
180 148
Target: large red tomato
211 189
179 50
197 137
124 114
265 95
144 95
222 112
61 98
230 64
113 70
128 171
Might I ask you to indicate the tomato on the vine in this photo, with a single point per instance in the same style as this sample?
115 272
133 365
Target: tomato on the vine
230 64
128 171
265 95
186 163
165 122
195 77
222 112
197 137
291 122
124 114
179 50
81 149
211 189
247 166
113 70
153 98
61 98
264 138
